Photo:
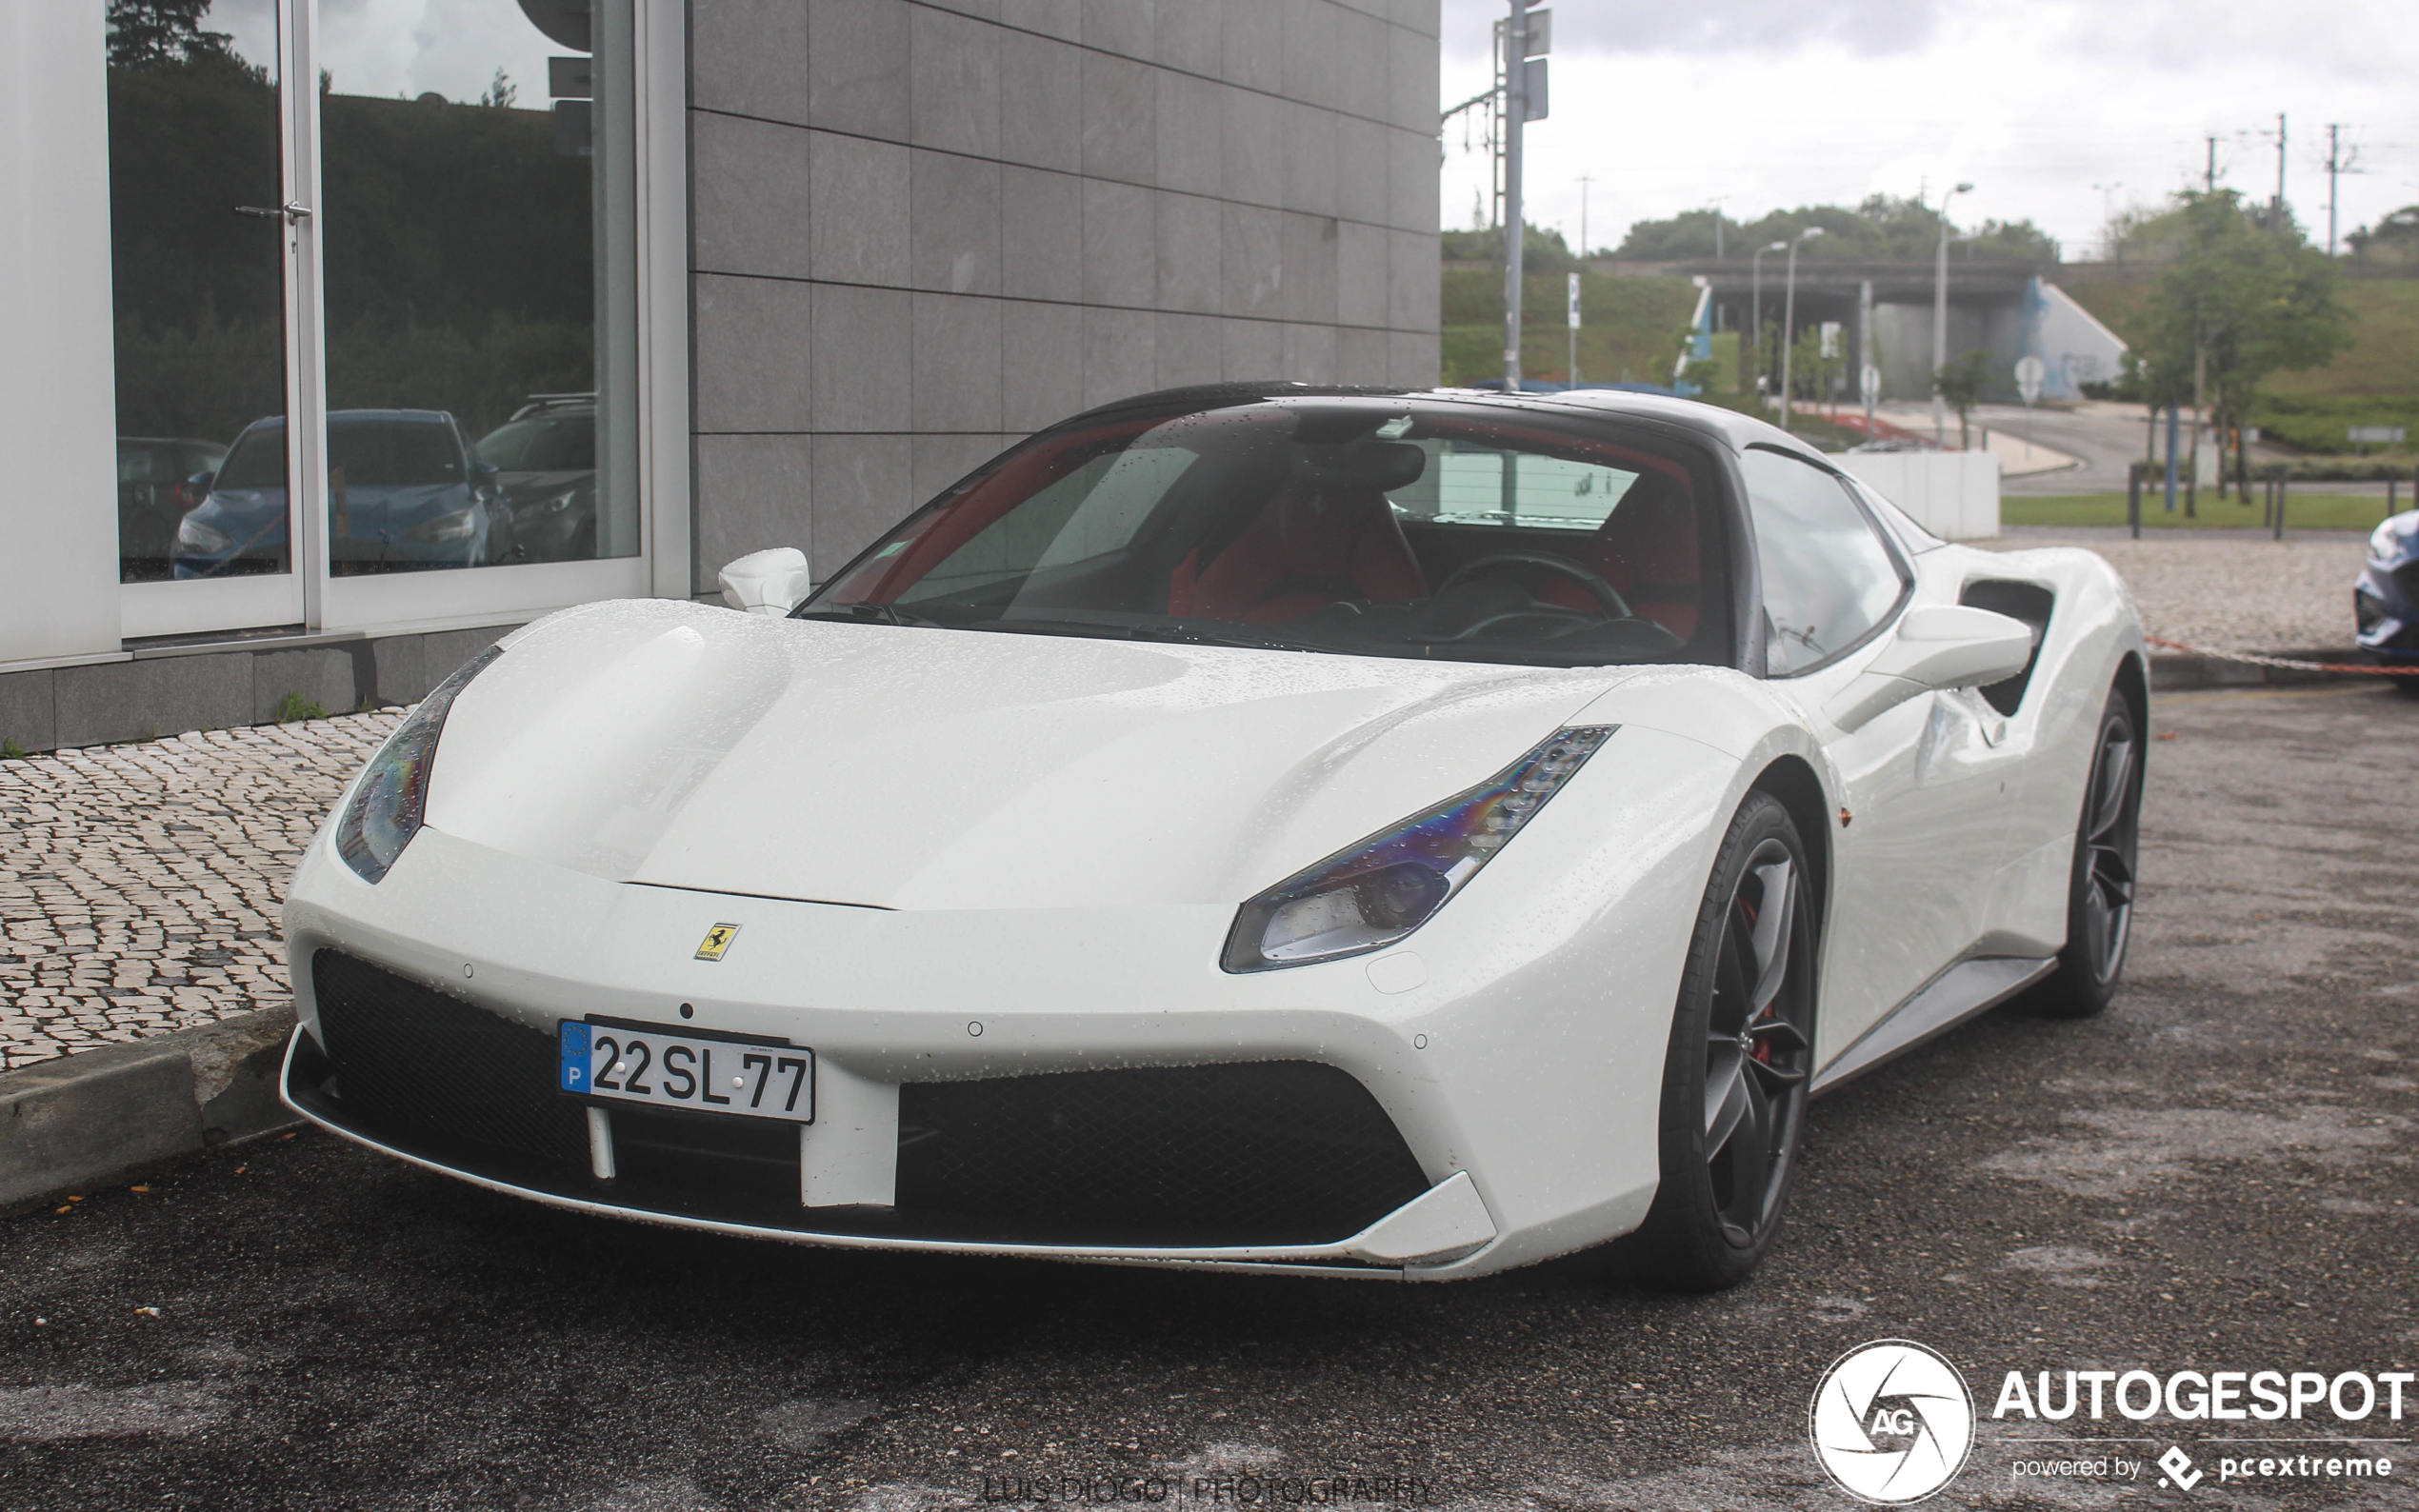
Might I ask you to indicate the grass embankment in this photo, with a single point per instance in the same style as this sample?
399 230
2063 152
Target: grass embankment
2375 383
2303 511
1629 328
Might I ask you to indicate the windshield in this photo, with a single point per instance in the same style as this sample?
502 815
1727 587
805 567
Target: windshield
258 459
1383 527
392 453
542 443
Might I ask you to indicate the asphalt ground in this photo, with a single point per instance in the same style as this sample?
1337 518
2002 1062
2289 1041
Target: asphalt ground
2215 1175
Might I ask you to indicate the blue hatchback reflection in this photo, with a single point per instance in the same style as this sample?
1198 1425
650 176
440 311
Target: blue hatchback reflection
405 492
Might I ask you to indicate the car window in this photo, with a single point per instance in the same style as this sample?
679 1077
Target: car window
136 464
392 453
542 443
1827 578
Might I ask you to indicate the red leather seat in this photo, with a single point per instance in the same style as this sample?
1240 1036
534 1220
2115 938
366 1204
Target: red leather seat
1646 548
1314 545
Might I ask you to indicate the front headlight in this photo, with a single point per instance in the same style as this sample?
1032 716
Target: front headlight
2390 540
459 526
1374 892
195 535
385 807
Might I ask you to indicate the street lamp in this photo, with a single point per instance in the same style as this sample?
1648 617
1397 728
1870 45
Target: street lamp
1755 320
1788 317
1940 322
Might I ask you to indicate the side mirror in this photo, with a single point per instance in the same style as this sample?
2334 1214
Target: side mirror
1936 645
770 582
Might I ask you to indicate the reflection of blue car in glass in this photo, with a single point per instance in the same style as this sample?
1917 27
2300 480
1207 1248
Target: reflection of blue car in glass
404 492
2385 601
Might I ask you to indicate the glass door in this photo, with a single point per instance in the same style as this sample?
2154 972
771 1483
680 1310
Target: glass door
379 356
477 247
203 259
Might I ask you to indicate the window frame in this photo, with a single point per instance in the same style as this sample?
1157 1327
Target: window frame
1891 548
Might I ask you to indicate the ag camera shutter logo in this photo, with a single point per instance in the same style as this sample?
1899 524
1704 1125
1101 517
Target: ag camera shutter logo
1891 1421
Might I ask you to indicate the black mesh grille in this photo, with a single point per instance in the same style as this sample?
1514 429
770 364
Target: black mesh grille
2407 579
1275 1153
754 1157
438 1074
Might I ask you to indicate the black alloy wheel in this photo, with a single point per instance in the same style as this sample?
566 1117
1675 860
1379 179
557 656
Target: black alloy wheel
2108 842
1740 1061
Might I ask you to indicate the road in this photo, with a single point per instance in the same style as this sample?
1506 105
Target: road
2215 1175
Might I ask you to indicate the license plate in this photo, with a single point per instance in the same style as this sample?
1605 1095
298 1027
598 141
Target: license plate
636 1062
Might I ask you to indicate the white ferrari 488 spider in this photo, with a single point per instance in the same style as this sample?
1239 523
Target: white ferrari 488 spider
1332 831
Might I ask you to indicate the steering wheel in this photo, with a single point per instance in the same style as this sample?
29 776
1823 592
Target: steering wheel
1607 597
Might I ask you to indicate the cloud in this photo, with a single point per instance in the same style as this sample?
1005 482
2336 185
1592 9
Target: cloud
1729 27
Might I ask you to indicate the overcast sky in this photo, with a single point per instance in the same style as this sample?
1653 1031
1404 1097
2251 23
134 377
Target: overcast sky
410 46
1769 103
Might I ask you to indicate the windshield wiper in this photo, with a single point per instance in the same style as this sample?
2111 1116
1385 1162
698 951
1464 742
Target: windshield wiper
865 610
1188 636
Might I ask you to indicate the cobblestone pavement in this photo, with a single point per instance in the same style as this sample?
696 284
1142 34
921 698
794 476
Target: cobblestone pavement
2229 591
140 884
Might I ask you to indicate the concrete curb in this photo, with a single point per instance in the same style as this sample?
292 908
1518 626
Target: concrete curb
2172 672
85 1119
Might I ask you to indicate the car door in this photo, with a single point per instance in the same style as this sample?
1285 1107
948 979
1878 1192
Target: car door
1912 855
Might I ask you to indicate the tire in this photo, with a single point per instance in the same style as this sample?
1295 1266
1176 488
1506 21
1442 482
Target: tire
1739 1063
2108 839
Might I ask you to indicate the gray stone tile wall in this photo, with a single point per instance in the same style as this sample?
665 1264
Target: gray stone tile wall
922 228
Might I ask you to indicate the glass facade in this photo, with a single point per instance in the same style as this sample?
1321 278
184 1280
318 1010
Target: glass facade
470 377
197 259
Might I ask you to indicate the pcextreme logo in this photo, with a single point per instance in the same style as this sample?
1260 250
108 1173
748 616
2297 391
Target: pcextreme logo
1891 1421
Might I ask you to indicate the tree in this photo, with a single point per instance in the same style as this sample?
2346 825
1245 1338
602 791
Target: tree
2393 240
2241 302
1883 226
1541 250
1960 380
163 33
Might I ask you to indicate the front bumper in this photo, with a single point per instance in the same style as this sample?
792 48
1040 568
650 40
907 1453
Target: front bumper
1492 1103
2385 605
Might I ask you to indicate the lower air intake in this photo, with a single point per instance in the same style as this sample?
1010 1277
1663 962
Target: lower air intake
1274 1152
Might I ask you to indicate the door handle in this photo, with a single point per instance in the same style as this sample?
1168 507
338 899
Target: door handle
289 212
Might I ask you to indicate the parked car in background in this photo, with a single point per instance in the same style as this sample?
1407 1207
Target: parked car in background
2385 600
545 458
405 492
152 495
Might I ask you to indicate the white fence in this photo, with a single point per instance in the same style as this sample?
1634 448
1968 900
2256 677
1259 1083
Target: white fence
1953 494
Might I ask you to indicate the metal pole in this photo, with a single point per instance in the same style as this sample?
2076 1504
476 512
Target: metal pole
1571 373
2173 424
1940 322
2133 498
2282 481
1864 348
1789 319
1515 119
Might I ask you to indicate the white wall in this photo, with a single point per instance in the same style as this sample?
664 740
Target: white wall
2073 342
58 403
1953 494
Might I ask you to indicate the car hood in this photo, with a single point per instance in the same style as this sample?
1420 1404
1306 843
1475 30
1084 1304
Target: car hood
900 768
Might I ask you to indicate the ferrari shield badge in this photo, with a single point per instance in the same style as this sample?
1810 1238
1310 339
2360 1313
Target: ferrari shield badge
717 941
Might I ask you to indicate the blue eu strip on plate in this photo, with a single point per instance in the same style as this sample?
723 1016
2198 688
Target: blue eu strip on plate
575 1042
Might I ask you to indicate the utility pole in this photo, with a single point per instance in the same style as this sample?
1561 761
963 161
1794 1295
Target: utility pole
2113 248
2277 210
2337 163
1940 322
2209 177
1717 227
1515 119
1584 181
